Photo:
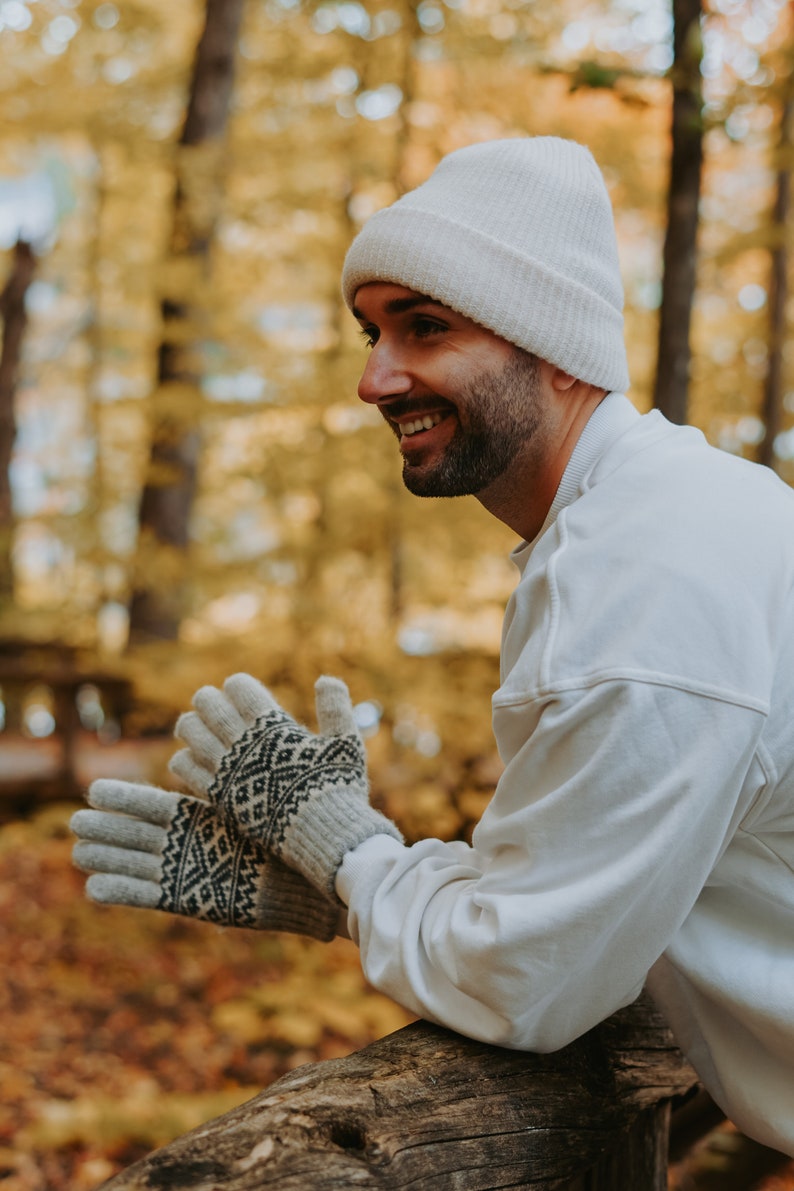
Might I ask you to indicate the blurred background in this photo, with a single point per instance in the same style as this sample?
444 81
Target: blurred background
189 486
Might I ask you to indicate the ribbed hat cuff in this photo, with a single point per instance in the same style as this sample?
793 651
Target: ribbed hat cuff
570 325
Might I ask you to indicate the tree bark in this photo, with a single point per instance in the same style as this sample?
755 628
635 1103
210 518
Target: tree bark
778 292
14 315
169 491
679 261
428 1108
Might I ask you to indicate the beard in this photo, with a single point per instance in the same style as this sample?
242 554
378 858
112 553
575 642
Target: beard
502 414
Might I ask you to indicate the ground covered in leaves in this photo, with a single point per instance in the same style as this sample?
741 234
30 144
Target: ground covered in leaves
122 1029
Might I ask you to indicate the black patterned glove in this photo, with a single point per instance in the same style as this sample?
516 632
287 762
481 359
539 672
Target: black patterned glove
304 797
165 851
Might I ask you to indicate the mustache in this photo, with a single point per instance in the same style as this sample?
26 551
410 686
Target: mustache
402 407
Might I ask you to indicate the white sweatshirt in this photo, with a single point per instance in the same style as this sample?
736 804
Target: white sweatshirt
643 829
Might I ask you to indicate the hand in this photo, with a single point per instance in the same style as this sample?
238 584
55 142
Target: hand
303 796
162 850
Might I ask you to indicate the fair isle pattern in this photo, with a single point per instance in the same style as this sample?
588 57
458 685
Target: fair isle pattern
276 768
210 872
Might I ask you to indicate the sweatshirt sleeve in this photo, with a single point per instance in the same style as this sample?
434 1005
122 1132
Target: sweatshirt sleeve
600 836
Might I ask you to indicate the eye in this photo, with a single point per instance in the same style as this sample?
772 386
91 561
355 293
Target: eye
423 326
370 335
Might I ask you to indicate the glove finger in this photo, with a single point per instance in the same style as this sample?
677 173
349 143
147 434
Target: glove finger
118 831
197 779
104 858
219 714
250 697
123 891
334 708
133 798
207 749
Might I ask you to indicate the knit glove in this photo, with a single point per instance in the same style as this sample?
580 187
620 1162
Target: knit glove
303 797
166 851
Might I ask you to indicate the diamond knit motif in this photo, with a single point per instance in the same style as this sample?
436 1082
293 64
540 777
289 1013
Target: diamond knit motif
276 768
208 872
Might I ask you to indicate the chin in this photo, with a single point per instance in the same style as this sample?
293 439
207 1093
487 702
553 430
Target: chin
430 484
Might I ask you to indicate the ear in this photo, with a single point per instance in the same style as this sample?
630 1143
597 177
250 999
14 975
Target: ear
562 381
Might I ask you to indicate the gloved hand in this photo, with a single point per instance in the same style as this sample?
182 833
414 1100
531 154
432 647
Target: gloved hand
303 797
166 851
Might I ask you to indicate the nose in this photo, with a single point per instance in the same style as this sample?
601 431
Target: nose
384 376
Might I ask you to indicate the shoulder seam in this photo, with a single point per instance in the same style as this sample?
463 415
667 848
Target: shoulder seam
546 691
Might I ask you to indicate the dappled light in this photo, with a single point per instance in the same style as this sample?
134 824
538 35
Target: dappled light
191 487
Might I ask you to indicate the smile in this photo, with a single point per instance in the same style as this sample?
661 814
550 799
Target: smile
407 429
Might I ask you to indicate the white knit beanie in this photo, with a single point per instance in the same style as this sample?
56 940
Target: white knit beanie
519 236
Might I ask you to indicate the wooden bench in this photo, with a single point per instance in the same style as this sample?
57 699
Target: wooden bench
427 1108
60 670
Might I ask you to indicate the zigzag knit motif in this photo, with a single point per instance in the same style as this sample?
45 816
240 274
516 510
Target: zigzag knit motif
276 768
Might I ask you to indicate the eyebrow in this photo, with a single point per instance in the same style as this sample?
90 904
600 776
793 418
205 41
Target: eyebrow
400 305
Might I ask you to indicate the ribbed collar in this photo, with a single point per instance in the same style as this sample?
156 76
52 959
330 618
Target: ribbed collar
611 418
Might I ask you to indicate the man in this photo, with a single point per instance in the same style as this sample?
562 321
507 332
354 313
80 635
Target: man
643 830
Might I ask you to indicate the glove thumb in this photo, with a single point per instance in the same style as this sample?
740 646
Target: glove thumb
334 708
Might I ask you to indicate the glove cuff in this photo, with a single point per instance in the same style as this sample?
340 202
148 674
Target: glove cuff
285 903
316 843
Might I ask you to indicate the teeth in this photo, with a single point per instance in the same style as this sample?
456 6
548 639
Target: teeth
425 423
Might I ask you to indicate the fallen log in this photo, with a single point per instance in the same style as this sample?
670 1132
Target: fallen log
427 1108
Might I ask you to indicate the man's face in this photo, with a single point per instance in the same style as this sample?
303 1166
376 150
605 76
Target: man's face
463 402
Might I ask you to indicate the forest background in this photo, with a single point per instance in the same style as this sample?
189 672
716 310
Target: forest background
189 486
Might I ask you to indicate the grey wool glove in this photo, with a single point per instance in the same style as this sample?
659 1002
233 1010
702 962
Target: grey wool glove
302 796
166 851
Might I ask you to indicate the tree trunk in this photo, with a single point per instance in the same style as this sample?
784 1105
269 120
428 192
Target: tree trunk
428 1108
678 285
169 490
778 292
14 315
